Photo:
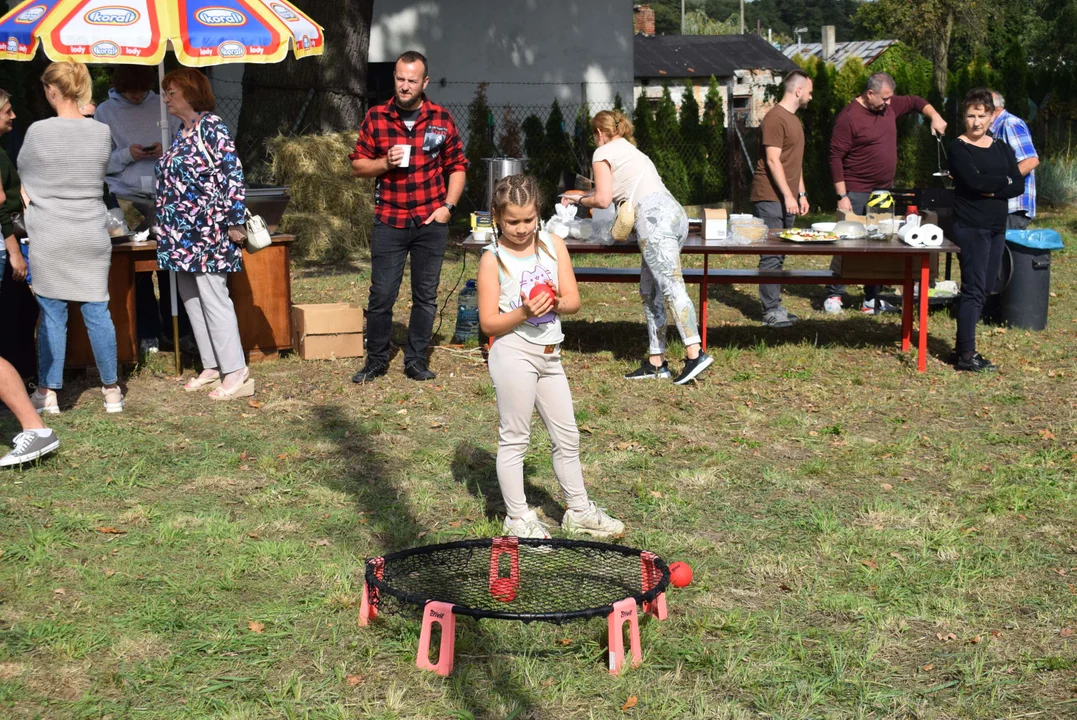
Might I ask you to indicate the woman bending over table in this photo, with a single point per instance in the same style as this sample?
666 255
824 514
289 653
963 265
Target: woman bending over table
985 176
624 174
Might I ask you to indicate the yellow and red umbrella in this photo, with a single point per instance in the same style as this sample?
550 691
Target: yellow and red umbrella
140 32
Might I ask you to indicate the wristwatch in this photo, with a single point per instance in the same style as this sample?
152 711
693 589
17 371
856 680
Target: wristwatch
843 196
452 207
803 194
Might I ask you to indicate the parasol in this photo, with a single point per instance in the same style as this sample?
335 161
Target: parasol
140 32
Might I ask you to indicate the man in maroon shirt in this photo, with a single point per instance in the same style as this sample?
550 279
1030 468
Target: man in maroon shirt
410 145
863 155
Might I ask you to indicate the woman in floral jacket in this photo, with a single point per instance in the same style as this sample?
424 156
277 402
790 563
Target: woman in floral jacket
200 218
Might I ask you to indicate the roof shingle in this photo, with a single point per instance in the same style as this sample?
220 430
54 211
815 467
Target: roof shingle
680 56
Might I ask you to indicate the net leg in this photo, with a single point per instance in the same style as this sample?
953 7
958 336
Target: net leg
504 588
440 613
623 611
367 610
650 576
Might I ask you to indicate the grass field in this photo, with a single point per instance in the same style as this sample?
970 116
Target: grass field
868 542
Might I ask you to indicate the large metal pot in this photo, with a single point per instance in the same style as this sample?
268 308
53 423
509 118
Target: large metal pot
497 168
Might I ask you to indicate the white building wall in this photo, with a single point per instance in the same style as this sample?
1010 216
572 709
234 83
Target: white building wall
529 51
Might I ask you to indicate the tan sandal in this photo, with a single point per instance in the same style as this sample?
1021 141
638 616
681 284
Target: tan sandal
198 383
243 389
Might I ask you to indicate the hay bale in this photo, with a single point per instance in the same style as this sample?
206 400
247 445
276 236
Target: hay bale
331 211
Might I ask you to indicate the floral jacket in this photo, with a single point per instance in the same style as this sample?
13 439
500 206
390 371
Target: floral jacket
198 198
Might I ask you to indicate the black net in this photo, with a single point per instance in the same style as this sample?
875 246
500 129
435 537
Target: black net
546 580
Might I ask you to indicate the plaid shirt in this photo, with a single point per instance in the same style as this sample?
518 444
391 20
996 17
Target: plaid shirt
1013 131
414 192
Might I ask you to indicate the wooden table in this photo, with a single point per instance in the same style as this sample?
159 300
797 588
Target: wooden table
864 262
262 295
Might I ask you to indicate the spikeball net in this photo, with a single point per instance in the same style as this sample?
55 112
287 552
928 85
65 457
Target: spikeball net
519 579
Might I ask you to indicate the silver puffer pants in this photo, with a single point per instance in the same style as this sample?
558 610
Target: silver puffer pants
662 227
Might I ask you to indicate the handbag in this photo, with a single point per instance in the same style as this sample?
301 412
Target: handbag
258 236
625 221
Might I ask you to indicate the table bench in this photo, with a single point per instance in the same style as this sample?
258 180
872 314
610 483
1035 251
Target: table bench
909 265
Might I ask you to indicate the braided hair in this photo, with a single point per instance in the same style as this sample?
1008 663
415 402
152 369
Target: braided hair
523 191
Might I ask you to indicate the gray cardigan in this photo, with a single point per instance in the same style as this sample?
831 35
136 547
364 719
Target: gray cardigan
62 164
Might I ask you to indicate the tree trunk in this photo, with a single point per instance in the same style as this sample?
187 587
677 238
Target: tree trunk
940 50
322 94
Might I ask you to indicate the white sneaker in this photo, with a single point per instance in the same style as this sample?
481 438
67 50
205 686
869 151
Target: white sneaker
832 305
113 399
148 346
592 521
528 526
45 404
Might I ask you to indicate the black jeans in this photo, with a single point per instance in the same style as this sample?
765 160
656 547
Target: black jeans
389 249
981 258
859 202
775 218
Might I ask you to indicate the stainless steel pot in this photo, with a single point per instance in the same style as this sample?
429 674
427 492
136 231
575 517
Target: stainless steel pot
497 168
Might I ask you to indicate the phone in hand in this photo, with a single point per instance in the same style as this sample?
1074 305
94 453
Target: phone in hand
155 147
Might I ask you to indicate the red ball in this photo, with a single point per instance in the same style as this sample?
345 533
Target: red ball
680 574
540 289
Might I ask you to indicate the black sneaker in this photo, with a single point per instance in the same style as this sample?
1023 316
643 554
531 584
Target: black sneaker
647 371
976 363
779 318
692 368
370 371
30 446
418 370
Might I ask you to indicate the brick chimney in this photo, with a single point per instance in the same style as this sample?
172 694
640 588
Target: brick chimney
644 20
829 46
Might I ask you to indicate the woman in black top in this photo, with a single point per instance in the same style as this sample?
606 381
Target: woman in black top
985 176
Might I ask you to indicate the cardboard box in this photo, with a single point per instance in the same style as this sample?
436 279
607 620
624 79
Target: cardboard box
327 347
715 224
327 331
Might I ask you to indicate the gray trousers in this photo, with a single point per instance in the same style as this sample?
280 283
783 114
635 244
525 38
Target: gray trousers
775 218
213 319
860 206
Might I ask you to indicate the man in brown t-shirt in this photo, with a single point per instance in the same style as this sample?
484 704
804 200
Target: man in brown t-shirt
863 156
778 184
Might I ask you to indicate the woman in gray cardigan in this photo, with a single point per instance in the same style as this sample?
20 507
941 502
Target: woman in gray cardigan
62 163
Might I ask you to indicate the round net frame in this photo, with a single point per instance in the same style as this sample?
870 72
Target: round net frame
518 578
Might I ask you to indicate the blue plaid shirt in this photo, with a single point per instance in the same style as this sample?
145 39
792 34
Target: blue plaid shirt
1014 132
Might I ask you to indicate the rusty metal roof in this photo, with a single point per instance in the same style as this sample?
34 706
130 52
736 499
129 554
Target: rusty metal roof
681 56
866 50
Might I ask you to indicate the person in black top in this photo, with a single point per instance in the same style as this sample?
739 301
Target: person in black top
985 176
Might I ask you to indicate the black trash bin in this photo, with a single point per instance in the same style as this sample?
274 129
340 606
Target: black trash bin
1026 272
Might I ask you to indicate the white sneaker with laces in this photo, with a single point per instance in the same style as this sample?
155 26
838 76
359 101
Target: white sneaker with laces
113 399
528 526
832 305
593 521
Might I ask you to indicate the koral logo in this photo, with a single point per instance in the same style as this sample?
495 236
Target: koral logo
436 614
231 49
284 13
105 49
220 17
12 45
31 14
626 613
117 15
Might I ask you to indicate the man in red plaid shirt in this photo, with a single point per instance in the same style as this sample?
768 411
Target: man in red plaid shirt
411 148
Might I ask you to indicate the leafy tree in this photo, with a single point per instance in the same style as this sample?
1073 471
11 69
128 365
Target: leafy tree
693 142
713 183
1015 80
643 123
480 144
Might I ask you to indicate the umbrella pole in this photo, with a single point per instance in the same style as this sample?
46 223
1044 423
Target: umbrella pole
171 273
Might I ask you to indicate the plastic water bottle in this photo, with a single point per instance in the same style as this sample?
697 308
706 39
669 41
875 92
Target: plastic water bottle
467 314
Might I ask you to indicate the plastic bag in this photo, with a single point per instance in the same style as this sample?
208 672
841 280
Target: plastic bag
602 224
564 216
115 224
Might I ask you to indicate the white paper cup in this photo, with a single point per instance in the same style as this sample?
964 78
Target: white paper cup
405 159
148 184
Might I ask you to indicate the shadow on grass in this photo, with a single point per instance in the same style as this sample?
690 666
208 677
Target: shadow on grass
476 469
307 268
375 493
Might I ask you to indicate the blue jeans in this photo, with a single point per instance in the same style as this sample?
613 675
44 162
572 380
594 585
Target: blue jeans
52 341
389 249
3 260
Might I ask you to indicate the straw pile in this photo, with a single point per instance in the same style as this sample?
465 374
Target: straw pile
331 211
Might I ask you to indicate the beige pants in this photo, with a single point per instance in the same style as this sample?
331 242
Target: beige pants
526 377
213 319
